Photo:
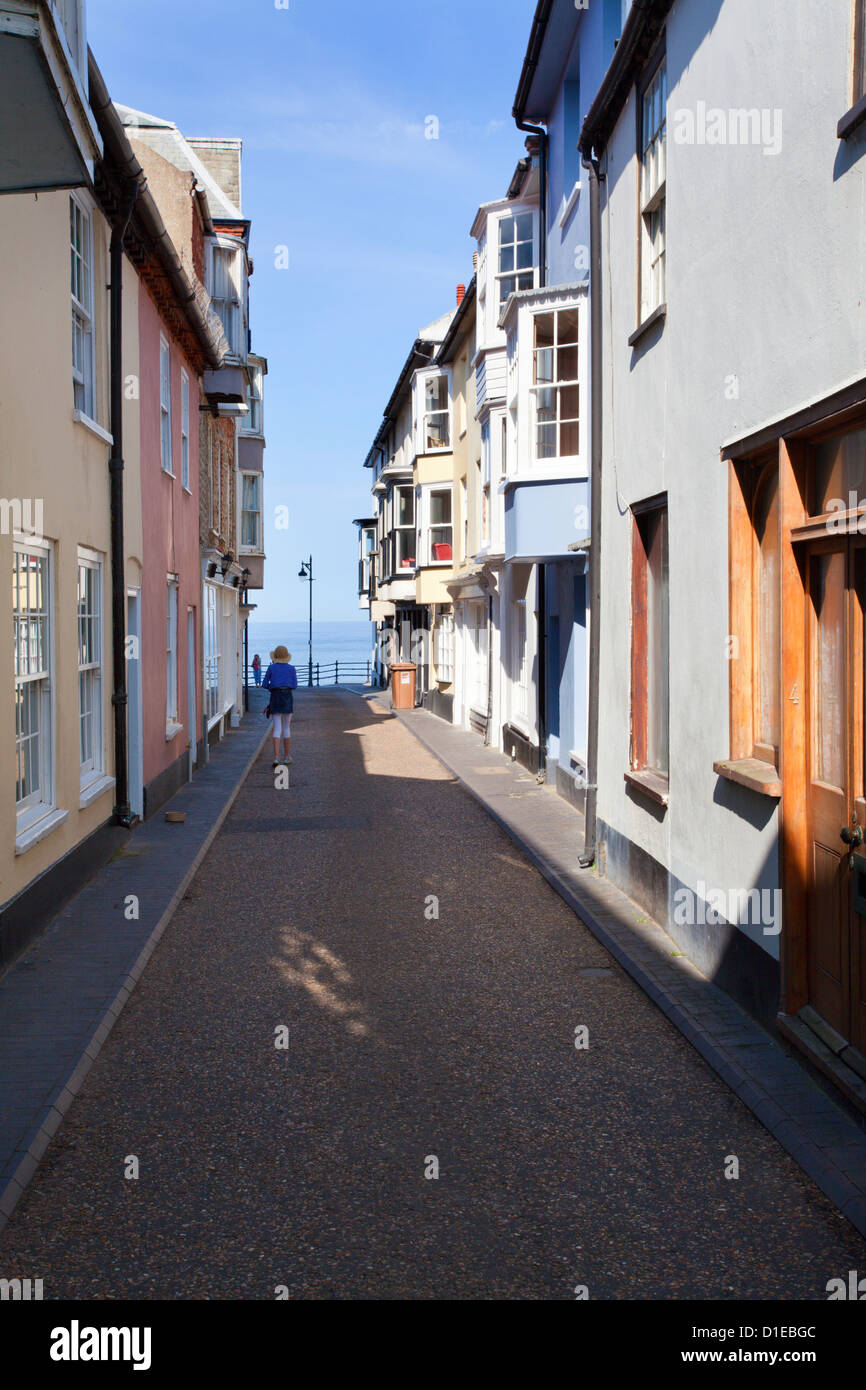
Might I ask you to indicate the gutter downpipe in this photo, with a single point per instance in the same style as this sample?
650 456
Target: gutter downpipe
119 697
543 140
588 857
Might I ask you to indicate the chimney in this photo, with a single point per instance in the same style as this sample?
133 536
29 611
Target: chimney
461 293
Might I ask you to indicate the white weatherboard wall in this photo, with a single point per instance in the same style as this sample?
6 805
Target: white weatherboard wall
765 277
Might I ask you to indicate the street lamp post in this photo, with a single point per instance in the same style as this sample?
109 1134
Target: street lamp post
306 572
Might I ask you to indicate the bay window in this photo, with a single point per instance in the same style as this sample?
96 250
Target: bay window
227 295
436 425
253 422
555 386
251 511
516 254
441 530
212 659
404 527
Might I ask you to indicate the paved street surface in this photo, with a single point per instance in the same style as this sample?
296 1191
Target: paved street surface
409 1038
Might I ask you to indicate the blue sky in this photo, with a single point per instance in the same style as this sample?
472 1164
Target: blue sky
330 100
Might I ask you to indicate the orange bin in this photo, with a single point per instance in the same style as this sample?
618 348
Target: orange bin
403 685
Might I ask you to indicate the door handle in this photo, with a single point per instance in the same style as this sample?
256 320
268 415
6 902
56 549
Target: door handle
852 835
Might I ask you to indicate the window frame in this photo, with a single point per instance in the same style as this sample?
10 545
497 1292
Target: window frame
657 201
166 441
555 386
234 321
425 550
172 609
424 379
253 423
93 768
31 809
405 528
212 627
84 380
764 751
500 276
245 546
444 648
651 779
859 78
184 430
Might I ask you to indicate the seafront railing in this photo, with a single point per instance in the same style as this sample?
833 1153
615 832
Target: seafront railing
328 673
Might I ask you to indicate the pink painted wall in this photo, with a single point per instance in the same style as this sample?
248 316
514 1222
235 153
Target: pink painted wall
171 543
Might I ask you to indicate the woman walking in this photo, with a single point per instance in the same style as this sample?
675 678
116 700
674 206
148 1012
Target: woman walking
257 669
281 679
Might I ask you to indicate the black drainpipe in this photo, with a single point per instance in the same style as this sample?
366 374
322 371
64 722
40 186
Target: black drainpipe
119 698
595 308
542 137
543 141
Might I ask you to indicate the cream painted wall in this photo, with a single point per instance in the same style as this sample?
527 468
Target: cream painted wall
45 453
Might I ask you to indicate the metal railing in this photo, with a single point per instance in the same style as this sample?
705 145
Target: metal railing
326 673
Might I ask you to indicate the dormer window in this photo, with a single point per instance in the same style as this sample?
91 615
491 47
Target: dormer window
516 257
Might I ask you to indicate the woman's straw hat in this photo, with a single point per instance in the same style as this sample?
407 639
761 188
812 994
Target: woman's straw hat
281 654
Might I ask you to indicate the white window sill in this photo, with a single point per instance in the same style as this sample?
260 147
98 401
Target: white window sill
91 791
172 731
81 419
168 473
187 489
548 470
570 204
26 839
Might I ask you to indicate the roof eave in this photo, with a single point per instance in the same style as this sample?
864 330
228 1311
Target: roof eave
642 28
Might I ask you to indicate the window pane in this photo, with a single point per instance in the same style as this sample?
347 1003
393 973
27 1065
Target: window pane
524 226
840 471
566 364
506 258
405 507
545 325
544 365
769 632
828 597
440 508
569 441
568 323
655 530
524 256
506 231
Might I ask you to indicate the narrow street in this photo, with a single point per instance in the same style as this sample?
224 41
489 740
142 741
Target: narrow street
409 1038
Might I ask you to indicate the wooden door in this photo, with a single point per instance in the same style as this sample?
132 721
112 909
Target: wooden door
835 711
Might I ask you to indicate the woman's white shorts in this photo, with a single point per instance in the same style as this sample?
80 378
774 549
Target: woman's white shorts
282 725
